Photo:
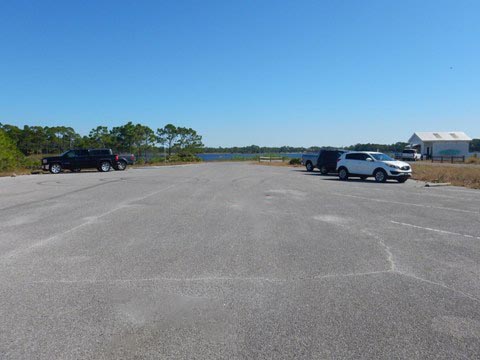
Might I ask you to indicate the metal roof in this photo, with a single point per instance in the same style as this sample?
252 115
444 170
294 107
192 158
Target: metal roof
443 136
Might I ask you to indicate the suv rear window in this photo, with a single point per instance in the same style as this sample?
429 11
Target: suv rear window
100 152
331 155
81 152
356 156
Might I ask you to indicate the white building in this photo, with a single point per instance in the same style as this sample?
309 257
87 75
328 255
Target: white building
455 143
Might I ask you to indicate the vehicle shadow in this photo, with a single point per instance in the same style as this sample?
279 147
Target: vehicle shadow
314 173
68 172
357 180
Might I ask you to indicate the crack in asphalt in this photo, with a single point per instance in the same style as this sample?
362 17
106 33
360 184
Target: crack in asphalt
386 248
252 279
393 268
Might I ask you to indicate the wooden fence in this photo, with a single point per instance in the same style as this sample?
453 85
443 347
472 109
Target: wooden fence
450 159
270 159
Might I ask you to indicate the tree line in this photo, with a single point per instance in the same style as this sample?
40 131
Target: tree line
391 148
141 139
132 138
254 149
475 145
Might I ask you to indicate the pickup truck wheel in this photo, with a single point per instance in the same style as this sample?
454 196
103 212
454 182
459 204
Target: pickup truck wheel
324 170
380 176
309 166
121 165
104 166
55 168
343 174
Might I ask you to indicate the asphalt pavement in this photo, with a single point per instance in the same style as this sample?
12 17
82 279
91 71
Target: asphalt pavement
236 261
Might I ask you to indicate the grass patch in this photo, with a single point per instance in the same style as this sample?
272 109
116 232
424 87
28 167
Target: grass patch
466 175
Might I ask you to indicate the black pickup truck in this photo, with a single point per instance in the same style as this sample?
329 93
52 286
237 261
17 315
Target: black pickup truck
75 160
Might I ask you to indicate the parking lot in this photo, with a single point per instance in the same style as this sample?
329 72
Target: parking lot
236 261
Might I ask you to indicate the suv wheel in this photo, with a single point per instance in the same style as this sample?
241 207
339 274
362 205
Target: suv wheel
55 168
121 165
104 166
324 170
343 174
380 175
309 166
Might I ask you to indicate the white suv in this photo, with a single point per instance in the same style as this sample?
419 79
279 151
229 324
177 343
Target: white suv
364 164
411 154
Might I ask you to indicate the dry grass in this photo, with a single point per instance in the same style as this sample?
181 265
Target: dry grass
464 175
473 160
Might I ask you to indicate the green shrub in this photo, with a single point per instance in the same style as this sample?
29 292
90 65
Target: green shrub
184 158
10 157
32 162
156 159
295 161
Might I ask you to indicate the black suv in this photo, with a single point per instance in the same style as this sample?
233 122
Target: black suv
327 160
75 160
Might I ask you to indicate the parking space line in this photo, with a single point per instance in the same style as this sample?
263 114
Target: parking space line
427 192
435 230
408 204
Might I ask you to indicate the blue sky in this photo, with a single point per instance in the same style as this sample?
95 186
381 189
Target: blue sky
245 72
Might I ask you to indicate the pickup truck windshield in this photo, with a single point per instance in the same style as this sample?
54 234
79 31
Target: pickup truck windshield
382 157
